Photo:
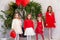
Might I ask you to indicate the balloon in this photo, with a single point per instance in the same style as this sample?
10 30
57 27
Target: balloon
18 2
13 34
25 2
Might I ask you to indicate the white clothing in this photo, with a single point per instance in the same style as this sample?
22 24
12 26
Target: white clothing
29 31
17 37
16 25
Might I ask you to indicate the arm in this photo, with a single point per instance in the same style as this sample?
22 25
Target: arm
43 25
32 24
54 18
46 18
12 24
21 23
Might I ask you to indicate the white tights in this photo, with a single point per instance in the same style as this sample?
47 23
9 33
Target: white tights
17 37
28 37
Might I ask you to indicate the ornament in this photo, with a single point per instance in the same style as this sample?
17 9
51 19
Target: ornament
18 2
13 34
25 3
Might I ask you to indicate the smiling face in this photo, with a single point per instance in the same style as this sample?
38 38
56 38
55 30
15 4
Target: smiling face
29 16
39 18
16 16
49 9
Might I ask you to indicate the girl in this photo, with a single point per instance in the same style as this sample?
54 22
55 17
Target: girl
29 27
40 27
16 25
50 20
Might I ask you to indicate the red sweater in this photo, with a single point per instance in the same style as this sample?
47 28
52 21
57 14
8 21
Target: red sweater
50 19
28 23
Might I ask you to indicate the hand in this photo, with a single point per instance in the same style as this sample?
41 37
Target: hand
46 24
54 23
12 29
43 30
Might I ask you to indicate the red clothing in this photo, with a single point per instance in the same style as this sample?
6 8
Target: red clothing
50 20
39 28
28 23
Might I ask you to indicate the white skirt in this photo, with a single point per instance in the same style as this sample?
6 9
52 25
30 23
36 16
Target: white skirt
29 31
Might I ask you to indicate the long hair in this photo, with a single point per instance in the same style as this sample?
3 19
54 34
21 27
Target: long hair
27 16
18 15
48 9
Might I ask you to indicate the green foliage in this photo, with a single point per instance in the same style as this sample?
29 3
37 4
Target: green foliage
1 16
33 8
9 14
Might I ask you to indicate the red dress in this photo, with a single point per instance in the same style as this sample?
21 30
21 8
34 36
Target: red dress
28 23
50 20
39 28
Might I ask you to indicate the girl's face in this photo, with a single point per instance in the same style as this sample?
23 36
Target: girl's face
39 18
16 16
49 9
29 16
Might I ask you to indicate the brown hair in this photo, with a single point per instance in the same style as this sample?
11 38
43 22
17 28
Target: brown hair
48 9
18 15
27 16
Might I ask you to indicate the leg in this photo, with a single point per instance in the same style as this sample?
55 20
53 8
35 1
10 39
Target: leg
27 37
15 39
42 36
49 34
30 37
17 36
36 36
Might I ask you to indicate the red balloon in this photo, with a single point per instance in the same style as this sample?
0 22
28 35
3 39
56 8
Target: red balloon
13 34
18 2
25 3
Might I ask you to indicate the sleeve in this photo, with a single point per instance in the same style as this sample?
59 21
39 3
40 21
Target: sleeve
43 24
32 24
54 18
21 23
46 18
13 23
24 24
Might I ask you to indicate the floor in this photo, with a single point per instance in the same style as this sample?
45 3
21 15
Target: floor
33 37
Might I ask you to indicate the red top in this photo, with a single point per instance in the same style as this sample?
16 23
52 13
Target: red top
39 28
28 23
50 19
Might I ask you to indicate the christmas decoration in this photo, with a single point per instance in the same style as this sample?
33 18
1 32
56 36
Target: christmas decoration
25 3
13 34
33 8
18 2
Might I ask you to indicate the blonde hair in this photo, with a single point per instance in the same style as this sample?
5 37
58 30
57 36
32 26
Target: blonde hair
18 15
